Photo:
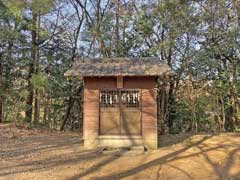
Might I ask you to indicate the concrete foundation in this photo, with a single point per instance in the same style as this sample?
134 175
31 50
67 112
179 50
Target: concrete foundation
120 141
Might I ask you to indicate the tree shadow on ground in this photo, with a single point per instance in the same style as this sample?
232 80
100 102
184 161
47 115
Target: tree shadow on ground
221 171
48 163
28 151
27 148
136 169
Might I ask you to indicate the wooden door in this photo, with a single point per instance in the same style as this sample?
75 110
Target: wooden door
120 112
130 112
109 113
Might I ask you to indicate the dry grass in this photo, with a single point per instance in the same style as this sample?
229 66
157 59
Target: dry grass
44 155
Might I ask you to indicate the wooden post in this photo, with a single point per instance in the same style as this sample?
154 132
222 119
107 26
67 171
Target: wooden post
119 82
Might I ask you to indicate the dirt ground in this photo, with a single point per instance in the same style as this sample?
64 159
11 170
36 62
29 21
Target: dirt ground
43 155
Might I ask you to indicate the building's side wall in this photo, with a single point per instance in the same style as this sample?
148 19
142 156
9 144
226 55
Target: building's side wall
91 107
149 118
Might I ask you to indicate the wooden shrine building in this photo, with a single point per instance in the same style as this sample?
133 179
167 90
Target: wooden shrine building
120 107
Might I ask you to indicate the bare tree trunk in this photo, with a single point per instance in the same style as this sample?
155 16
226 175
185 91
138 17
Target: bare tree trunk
195 118
69 107
36 107
162 105
117 41
234 91
171 95
29 102
49 112
237 6
36 104
171 102
45 111
1 109
1 89
234 98
4 84
223 116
